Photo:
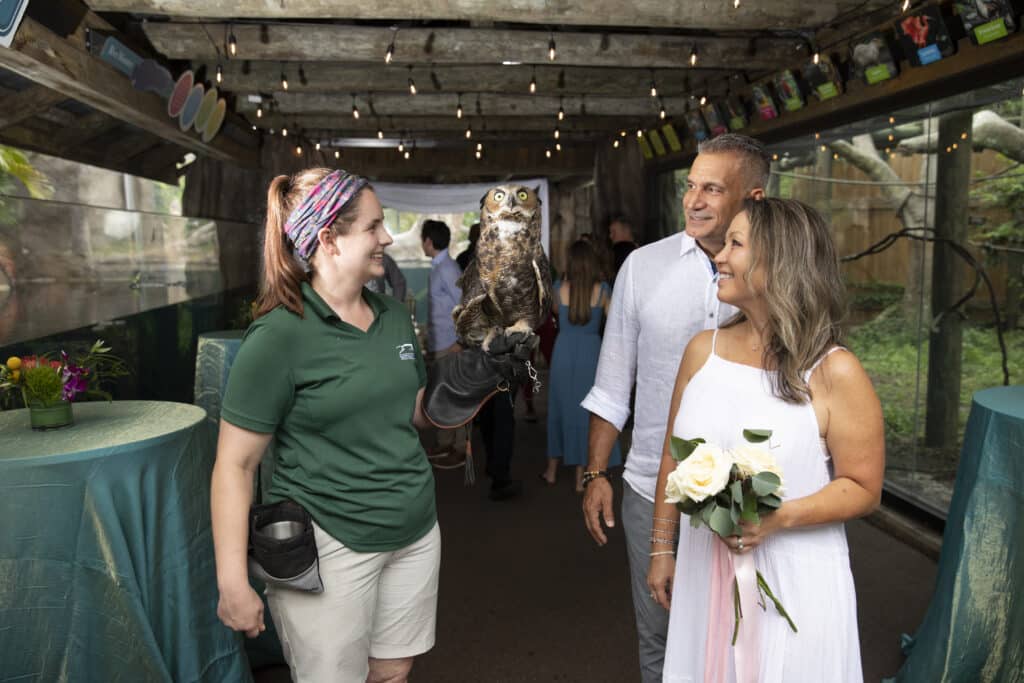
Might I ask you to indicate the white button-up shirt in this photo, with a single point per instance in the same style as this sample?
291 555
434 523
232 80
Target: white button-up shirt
665 294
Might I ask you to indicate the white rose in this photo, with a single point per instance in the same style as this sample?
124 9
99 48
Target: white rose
751 460
673 492
704 473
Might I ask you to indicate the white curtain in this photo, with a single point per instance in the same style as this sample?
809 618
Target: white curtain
456 198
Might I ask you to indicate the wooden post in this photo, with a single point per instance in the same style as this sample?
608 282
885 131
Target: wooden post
951 200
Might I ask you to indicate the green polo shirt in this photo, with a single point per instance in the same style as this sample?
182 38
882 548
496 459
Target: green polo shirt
340 403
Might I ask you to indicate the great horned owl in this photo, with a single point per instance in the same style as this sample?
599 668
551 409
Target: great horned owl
507 286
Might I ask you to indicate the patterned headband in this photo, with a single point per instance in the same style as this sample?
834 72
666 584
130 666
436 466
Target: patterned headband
319 209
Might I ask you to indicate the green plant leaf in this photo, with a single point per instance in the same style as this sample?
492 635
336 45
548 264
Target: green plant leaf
707 511
750 509
737 493
696 521
735 513
687 506
682 448
721 522
771 500
757 435
765 483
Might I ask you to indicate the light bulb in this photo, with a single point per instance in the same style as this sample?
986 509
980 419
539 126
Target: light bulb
401 147
661 113
551 49
337 154
284 132
558 146
318 146
905 6
533 85
380 134
469 132
615 143
458 111
736 4
654 89
220 74
412 87
479 154
259 111
703 100
561 114
232 44
558 133
480 146
298 150
817 57
407 154
639 133
284 81
693 57
390 54
547 153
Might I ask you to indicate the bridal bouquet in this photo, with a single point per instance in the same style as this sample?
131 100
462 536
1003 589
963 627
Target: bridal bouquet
723 487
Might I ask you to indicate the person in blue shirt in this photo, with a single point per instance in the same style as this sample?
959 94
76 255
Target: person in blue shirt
443 295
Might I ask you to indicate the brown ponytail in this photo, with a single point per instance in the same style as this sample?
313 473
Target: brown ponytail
283 274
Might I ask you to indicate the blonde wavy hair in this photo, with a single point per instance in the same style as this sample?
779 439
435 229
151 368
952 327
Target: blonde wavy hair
803 290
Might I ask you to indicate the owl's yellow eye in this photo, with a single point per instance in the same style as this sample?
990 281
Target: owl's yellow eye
522 195
499 195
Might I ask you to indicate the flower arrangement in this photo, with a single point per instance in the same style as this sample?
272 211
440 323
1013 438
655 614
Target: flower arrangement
44 382
722 488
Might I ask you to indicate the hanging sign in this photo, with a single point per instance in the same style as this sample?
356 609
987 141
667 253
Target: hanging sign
669 131
11 12
656 143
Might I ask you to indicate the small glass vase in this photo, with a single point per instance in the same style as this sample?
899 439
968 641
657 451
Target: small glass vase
51 417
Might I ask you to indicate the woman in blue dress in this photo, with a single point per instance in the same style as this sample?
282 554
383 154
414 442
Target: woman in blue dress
580 302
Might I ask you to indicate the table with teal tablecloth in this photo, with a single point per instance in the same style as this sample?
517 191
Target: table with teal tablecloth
215 353
974 628
106 556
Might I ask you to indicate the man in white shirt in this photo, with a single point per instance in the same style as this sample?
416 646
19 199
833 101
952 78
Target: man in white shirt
664 295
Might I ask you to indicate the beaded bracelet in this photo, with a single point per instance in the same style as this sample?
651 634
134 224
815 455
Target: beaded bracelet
674 522
661 541
662 552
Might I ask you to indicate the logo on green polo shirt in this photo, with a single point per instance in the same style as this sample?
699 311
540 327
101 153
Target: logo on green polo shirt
406 352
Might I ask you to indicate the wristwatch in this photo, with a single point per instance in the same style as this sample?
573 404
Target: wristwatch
591 475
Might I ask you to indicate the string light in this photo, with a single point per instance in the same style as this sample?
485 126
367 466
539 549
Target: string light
817 136
355 108
703 100
458 109
561 110
891 137
775 157
693 56
298 150
892 120
547 153
551 48
390 54
533 83
469 131
318 146
615 143
654 87
963 136
736 4
254 126
906 6
401 147
380 134
259 110
284 132
954 145
824 148
220 74
558 146
479 154
622 133
232 42
558 133
412 85
661 110
284 79
337 154
639 133
479 146
835 155
408 154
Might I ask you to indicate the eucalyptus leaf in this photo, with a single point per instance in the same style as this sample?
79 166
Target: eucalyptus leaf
682 448
736 488
707 511
735 513
687 506
750 510
721 522
695 521
757 435
765 483
772 501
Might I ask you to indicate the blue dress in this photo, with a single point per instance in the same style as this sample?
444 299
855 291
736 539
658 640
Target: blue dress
573 367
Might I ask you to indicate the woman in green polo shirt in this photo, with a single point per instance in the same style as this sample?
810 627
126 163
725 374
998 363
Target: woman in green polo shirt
332 374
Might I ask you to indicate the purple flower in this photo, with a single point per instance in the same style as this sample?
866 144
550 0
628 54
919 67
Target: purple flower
74 380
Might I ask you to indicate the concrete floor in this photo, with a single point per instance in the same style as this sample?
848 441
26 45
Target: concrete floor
527 596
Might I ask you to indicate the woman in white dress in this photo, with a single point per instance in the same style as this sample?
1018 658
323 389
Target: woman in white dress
777 365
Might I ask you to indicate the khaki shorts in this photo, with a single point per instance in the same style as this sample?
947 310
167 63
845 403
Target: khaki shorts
380 605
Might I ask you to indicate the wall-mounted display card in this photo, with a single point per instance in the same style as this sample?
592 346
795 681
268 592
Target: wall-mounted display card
986 20
695 122
923 36
763 101
823 78
871 59
713 117
736 113
788 90
669 131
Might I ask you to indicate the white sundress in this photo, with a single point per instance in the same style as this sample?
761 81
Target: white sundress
808 569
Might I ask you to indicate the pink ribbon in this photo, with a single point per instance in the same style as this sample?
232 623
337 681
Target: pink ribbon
727 567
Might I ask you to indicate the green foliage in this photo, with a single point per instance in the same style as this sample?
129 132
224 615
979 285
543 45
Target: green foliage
42 386
682 448
874 296
757 435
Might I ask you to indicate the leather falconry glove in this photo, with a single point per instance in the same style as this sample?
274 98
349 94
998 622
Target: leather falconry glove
459 384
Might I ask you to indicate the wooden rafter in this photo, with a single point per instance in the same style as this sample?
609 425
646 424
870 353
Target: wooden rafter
361 44
43 57
717 15
24 105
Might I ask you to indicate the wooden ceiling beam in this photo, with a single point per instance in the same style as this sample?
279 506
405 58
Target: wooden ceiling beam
85 128
29 102
309 43
45 58
654 13
444 104
265 77
367 125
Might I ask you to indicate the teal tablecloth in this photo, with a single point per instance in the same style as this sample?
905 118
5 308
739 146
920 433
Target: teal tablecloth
215 354
106 554
973 631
